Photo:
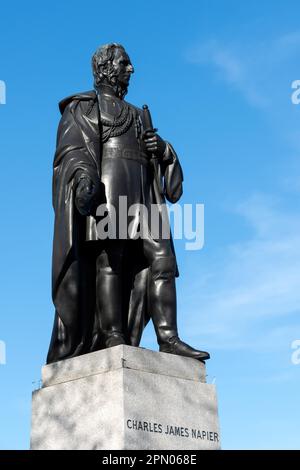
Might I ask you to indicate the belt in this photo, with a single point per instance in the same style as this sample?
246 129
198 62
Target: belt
129 154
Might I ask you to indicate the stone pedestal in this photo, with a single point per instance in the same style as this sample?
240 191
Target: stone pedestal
125 398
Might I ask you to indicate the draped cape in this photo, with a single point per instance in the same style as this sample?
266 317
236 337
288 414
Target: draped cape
76 330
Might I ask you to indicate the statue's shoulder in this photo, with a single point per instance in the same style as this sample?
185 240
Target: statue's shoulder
87 96
133 107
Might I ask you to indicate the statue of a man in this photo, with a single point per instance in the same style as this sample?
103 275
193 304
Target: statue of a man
106 290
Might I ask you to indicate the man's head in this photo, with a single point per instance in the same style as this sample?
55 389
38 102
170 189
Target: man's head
112 66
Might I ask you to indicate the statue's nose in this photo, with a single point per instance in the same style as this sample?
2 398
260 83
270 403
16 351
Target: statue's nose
130 68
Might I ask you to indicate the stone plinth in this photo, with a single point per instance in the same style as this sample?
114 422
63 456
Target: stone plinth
125 398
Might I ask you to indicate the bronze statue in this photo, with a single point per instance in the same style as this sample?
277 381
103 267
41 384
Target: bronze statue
106 290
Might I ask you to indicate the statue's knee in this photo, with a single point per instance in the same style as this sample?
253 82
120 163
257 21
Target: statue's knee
164 268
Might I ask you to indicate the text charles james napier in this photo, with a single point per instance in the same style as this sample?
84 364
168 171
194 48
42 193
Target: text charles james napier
179 431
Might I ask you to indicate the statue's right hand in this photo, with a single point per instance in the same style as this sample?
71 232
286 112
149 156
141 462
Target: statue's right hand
85 195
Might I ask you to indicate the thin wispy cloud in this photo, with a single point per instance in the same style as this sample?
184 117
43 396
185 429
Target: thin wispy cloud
253 287
252 68
287 45
254 283
230 66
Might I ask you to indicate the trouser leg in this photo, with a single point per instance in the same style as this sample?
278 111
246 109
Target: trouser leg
162 299
162 289
109 292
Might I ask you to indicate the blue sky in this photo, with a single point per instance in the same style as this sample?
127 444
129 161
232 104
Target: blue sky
217 77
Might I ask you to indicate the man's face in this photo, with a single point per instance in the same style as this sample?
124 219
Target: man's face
122 66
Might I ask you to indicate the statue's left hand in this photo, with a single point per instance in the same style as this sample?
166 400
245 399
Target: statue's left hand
86 192
154 143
